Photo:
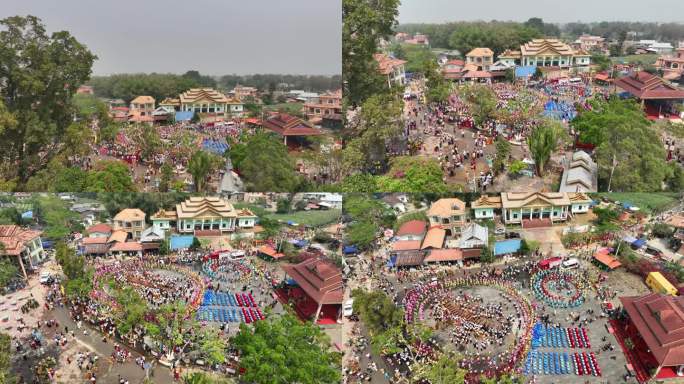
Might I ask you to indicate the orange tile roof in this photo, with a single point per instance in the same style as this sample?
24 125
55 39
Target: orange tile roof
101 228
269 251
14 238
130 246
478 52
130 214
406 245
434 238
446 207
386 64
437 255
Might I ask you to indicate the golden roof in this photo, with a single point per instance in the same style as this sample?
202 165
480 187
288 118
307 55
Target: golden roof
195 95
540 46
164 215
525 199
487 202
205 207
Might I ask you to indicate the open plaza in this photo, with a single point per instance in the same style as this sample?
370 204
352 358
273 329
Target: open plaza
531 287
129 296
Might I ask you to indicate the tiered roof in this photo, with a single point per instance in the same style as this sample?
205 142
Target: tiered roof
523 199
487 202
646 86
195 95
288 125
539 46
204 206
319 278
14 239
660 321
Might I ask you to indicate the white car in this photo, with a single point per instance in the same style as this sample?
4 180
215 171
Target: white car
45 278
348 308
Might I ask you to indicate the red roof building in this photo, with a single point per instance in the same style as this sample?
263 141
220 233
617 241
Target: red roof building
413 228
287 125
656 327
23 244
321 281
646 86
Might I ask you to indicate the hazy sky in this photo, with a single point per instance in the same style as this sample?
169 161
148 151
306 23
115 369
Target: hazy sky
562 11
212 36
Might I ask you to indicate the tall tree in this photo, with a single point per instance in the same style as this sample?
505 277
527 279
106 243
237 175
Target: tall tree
542 141
364 23
267 165
282 349
39 74
200 167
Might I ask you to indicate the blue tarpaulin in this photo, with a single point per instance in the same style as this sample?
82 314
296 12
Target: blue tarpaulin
392 261
639 243
216 146
627 205
184 115
525 71
301 243
507 246
180 242
629 239
27 215
47 244
350 249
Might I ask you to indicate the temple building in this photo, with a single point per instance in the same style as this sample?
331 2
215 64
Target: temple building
289 126
580 174
204 214
22 244
659 98
654 325
206 101
317 291
546 53
541 209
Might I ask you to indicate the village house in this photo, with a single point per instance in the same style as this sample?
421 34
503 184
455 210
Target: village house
327 105
242 93
392 68
130 220
141 109
448 214
24 245
482 58
546 53
486 207
672 65
535 209
590 43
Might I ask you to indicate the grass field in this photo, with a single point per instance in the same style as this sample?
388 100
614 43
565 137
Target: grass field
310 218
643 59
649 202
291 108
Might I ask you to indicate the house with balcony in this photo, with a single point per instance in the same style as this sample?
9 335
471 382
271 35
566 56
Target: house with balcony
392 69
482 58
22 246
131 221
448 214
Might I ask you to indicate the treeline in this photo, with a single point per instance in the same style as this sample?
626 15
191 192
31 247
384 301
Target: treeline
464 36
271 82
500 35
162 85
157 85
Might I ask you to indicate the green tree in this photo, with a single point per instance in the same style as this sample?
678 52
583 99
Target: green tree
8 271
542 141
39 95
58 221
268 165
377 310
200 167
282 349
481 100
443 371
109 176
364 24
5 359
165 178
413 174
213 347
362 233
503 151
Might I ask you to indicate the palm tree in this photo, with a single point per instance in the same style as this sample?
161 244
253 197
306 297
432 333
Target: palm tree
199 167
542 141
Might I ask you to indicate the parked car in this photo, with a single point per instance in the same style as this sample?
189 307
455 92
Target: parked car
348 308
46 278
570 263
